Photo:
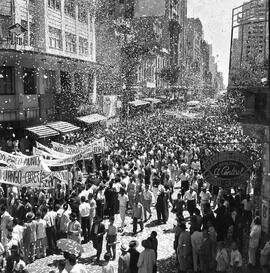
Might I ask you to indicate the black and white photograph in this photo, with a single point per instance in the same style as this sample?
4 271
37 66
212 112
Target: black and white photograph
134 136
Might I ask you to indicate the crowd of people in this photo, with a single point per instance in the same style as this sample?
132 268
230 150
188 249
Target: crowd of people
153 163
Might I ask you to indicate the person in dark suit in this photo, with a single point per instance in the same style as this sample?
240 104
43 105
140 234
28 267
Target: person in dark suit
134 256
97 234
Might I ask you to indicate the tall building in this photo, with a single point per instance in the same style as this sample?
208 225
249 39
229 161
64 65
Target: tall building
249 76
154 26
194 36
47 56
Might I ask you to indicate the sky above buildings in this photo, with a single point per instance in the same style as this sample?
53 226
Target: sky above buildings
216 16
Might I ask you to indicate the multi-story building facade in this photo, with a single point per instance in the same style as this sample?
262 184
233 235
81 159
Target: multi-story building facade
47 49
249 76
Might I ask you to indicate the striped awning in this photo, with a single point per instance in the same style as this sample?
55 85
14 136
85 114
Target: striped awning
92 118
42 131
63 127
139 102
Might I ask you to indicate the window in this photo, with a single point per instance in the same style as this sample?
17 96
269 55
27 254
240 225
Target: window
82 13
70 42
70 8
79 84
25 34
91 48
65 81
55 39
29 81
90 83
8 115
49 81
54 4
83 46
7 80
31 113
32 34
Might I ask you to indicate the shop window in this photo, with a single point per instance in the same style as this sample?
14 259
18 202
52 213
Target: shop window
65 80
31 113
7 86
29 81
49 81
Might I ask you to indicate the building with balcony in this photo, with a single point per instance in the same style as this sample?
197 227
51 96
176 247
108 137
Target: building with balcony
249 76
47 54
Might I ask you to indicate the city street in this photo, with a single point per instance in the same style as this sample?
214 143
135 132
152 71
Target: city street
134 136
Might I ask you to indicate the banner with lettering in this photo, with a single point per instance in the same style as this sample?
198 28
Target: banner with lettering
18 162
54 153
20 178
97 146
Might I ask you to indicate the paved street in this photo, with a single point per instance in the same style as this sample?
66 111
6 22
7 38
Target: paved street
165 248
166 257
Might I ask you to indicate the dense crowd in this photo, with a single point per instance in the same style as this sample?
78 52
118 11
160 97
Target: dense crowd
153 162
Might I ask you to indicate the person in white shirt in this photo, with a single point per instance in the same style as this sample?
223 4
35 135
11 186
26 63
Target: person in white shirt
190 198
84 209
205 198
147 201
41 236
236 259
93 206
254 239
123 200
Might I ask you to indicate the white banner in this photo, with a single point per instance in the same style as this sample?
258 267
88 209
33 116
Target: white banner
53 153
19 162
20 178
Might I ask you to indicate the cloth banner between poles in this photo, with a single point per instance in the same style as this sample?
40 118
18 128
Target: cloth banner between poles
98 146
20 178
18 162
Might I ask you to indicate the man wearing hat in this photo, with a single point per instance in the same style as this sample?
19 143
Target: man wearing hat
124 260
134 256
97 233
205 198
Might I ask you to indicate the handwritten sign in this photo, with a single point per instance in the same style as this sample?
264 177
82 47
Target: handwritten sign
20 178
227 169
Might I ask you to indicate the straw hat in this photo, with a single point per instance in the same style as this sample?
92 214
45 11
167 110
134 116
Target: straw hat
133 244
124 248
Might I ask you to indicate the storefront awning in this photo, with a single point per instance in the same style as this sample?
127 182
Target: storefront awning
139 102
63 127
92 118
42 131
153 100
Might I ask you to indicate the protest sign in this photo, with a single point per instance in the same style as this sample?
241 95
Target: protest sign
20 178
15 161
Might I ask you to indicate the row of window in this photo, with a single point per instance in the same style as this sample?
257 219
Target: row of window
70 8
7 80
55 41
13 114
